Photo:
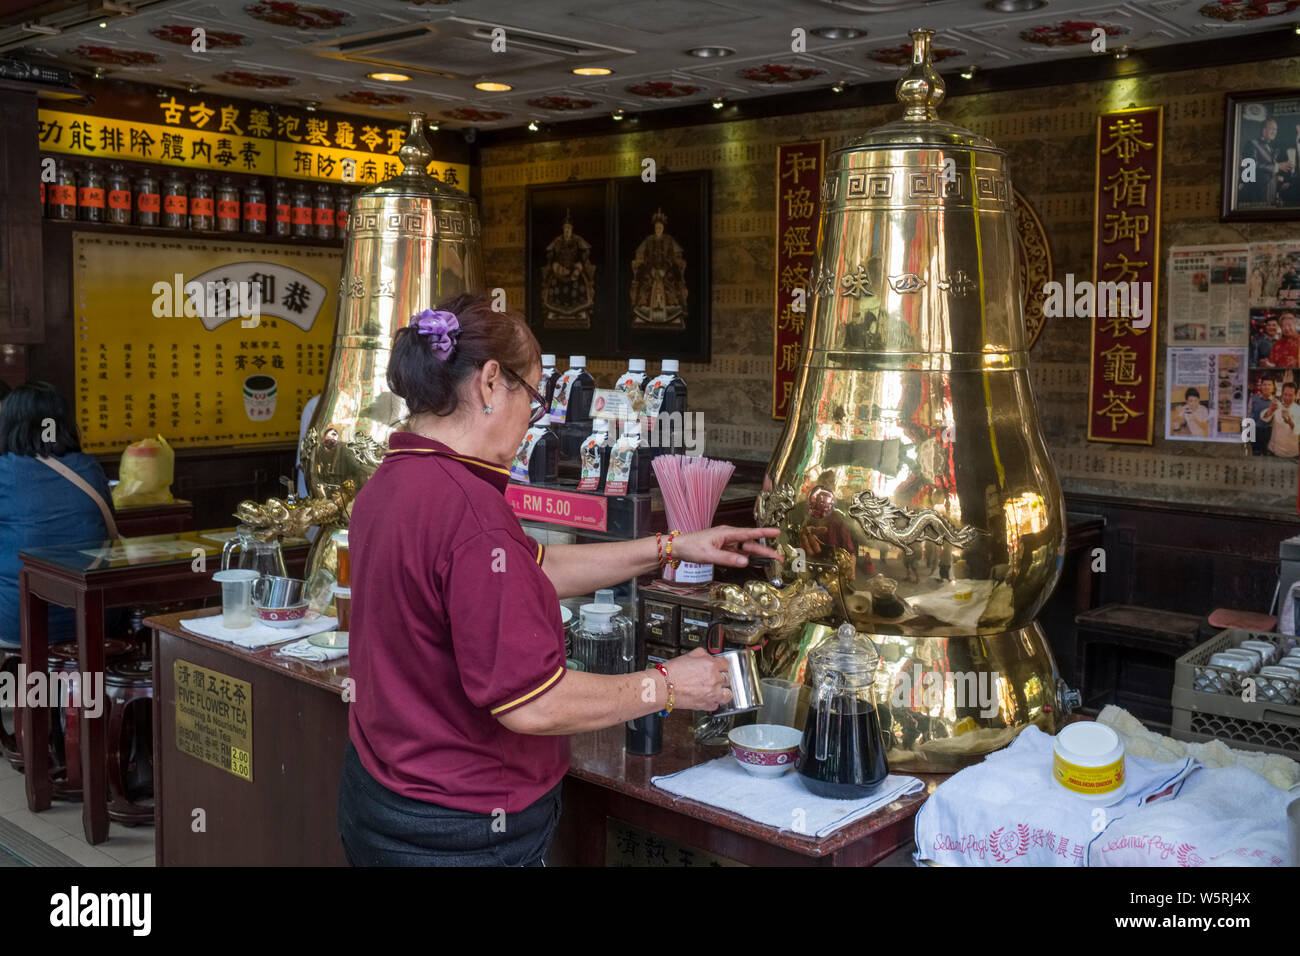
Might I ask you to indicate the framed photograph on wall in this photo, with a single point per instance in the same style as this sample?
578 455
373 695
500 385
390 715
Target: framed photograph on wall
1261 156
663 267
571 281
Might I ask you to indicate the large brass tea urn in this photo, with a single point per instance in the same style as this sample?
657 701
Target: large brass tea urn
412 241
912 482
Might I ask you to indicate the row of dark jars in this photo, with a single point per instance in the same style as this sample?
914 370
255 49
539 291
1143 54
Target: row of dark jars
292 210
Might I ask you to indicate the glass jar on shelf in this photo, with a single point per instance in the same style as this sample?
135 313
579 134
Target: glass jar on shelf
118 187
323 213
175 202
255 208
227 197
148 199
202 205
63 192
90 195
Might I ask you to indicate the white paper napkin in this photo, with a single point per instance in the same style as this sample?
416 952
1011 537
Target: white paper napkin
308 651
782 803
256 634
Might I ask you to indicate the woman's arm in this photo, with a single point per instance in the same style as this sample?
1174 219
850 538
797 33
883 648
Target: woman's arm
582 701
576 569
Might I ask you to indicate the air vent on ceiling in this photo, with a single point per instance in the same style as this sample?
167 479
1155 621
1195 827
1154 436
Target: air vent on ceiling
463 48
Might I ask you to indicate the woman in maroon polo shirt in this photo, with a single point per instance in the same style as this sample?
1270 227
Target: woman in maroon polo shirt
463 706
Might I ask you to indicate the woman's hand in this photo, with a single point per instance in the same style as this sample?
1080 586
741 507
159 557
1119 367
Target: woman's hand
698 681
724 545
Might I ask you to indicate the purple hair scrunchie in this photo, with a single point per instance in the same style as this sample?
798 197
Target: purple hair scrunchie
443 326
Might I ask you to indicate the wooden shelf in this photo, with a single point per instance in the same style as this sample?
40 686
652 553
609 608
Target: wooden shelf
75 225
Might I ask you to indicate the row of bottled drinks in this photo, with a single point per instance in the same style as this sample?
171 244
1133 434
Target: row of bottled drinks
287 209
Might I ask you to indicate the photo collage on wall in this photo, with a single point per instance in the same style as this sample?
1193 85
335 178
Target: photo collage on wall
1274 294
1234 345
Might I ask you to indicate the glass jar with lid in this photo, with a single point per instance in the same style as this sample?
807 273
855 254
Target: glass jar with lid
842 753
63 192
91 201
148 200
175 202
323 213
227 200
255 208
302 211
202 205
118 196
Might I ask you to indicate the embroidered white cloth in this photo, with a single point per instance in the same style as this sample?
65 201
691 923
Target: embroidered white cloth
782 803
1227 816
256 634
308 651
1008 811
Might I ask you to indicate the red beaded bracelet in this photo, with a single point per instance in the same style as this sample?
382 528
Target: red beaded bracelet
667 680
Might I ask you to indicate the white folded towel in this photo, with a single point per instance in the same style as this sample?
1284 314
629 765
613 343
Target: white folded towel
308 651
1008 811
1222 817
782 803
256 634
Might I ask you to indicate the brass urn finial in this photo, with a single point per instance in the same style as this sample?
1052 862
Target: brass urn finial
415 154
921 88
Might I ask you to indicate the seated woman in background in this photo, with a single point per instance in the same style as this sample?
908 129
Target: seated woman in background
39 504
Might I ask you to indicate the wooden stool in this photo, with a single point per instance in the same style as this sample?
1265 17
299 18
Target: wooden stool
64 736
9 745
129 687
1125 656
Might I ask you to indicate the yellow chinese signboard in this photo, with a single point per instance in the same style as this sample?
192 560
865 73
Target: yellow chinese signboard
163 348
238 139
214 718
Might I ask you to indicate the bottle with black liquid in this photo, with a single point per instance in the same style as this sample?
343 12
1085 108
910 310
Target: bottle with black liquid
546 385
148 199
538 459
571 400
629 463
594 456
666 402
632 384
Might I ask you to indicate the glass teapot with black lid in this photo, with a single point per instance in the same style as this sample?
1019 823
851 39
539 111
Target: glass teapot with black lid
842 753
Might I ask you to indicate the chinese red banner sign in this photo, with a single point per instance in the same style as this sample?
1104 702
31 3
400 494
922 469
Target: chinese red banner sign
1126 257
798 208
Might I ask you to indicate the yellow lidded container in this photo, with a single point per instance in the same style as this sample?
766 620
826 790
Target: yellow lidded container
1088 760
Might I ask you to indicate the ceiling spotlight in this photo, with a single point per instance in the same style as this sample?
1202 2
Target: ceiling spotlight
434 126
719 102
708 51
617 115
192 88
1121 53
969 72
533 127
388 77
1297 28
592 71
838 33
489 87
103 24
310 106
99 74
837 87
1015 6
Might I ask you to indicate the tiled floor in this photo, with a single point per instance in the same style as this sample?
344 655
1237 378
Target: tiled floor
59 828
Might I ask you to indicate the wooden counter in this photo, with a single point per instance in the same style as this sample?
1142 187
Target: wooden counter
607 784
286 815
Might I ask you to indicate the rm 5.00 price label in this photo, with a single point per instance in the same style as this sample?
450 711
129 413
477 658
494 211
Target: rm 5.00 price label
558 507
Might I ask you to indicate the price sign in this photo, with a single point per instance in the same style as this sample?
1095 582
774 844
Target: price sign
558 507
214 718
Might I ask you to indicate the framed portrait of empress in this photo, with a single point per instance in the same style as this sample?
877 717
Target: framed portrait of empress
571 280
1261 155
663 266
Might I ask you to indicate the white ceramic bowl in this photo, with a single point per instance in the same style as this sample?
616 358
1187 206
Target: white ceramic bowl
765 750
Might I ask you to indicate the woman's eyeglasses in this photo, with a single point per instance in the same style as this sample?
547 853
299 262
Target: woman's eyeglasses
538 408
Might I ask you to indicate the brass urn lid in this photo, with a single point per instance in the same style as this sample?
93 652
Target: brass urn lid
920 90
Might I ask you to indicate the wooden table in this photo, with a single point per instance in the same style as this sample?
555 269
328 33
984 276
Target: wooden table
90 578
173 518
605 783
